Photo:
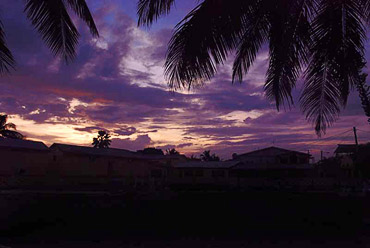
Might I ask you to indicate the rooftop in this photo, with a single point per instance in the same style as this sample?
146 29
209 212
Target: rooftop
273 152
111 152
93 151
22 144
346 148
208 165
244 166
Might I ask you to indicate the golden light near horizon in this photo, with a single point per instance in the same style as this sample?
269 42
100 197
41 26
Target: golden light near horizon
51 132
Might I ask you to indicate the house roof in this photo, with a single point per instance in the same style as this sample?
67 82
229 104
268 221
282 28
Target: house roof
207 165
113 152
22 144
247 166
110 152
346 148
276 150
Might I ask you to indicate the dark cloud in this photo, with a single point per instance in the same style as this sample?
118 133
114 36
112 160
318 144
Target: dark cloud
126 131
184 145
89 129
115 83
139 143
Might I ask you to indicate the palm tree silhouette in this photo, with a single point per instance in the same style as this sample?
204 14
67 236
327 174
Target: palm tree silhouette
206 156
102 141
52 20
172 151
364 92
321 40
5 127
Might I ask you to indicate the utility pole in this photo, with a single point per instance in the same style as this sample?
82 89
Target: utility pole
321 153
355 133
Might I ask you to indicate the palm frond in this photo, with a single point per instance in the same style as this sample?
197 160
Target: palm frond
289 39
11 134
364 93
203 40
150 10
8 126
3 120
255 34
320 100
337 58
6 57
82 10
51 19
365 10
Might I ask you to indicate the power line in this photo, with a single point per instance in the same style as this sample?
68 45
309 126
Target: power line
363 130
323 139
309 146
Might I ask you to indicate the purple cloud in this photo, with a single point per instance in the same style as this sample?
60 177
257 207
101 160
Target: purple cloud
140 142
117 83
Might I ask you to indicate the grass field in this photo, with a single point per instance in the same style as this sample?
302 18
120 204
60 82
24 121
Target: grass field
98 219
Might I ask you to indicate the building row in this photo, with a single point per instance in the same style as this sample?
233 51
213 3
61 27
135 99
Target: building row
27 163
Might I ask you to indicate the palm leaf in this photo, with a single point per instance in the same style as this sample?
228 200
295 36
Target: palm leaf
254 35
337 58
203 40
365 9
51 19
364 93
8 126
289 38
149 10
6 58
11 134
82 10
3 120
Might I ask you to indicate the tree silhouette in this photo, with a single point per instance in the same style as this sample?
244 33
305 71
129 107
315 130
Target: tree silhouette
194 158
364 92
52 20
152 151
321 40
206 156
102 141
172 151
5 127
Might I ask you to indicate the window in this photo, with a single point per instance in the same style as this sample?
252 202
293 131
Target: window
156 173
293 159
21 171
198 173
218 173
188 173
303 161
283 160
110 168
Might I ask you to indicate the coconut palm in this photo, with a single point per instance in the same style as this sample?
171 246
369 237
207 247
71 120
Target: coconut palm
206 156
102 141
321 40
364 92
5 129
52 20
172 151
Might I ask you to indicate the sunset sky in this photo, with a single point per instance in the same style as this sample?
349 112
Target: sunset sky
116 83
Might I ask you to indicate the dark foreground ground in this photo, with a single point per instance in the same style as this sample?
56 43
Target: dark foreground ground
187 219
